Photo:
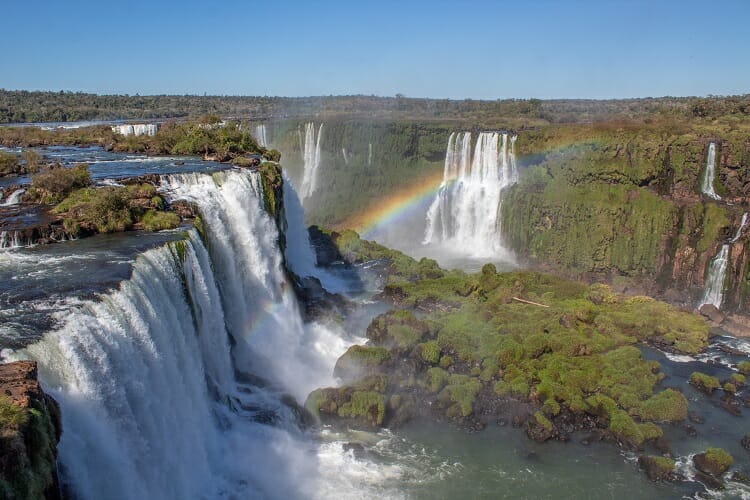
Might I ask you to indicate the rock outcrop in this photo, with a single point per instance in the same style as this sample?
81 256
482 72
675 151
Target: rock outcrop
30 428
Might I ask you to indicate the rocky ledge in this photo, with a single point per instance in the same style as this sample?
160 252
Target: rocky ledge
30 429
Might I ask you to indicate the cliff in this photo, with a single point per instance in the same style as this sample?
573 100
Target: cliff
29 431
625 202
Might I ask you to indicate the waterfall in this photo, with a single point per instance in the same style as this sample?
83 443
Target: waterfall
707 186
260 135
12 239
346 158
466 210
159 380
14 198
136 129
300 257
369 154
743 223
311 157
714 291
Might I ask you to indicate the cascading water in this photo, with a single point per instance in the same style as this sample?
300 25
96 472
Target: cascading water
12 239
466 211
260 135
369 154
300 257
136 129
707 186
14 198
743 223
714 291
346 157
147 375
311 157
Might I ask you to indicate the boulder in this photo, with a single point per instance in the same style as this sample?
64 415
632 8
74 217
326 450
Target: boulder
657 468
714 461
712 312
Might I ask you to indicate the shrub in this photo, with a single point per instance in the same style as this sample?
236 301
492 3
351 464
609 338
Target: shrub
109 210
8 164
157 221
12 416
704 382
53 184
430 352
668 405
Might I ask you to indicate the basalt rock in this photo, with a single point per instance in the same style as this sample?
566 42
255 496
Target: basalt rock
29 431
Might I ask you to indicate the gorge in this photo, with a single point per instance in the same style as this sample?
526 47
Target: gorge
182 370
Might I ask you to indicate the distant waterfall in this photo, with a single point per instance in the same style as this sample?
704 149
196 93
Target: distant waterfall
346 157
743 223
707 186
260 135
466 210
714 291
137 129
311 157
146 374
369 154
14 198
12 239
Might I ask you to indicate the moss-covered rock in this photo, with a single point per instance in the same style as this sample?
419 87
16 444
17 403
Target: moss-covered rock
657 468
29 431
713 461
398 330
668 405
703 382
358 361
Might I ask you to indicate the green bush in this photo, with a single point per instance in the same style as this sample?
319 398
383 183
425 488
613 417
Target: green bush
430 352
157 221
668 405
12 416
53 184
704 382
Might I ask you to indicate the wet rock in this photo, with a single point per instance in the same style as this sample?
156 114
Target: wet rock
739 477
29 434
745 442
690 431
714 461
657 468
713 313
696 418
357 449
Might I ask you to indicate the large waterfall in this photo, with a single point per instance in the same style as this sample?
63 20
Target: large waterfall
311 158
466 211
707 186
172 386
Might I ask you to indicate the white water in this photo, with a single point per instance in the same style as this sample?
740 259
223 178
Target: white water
260 135
311 157
707 186
12 239
14 198
714 290
466 211
743 223
369 154
300 256
146 374
346 157
136 129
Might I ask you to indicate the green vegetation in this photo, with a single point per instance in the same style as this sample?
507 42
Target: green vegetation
657 468
705 383
157 221
9 164
573 358
714 461
12 416
744 367
53 184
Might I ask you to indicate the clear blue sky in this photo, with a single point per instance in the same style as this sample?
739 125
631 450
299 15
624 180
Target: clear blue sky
480 49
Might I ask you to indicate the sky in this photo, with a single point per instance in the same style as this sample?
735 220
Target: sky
479 50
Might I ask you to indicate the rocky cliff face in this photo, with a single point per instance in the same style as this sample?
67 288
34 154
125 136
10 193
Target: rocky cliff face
29 431
626 203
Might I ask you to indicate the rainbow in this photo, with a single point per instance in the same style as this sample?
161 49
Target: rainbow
396 206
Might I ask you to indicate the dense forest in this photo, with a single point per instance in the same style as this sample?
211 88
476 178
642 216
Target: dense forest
26 106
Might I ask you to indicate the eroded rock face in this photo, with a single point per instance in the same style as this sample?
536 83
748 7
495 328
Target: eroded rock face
29 431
